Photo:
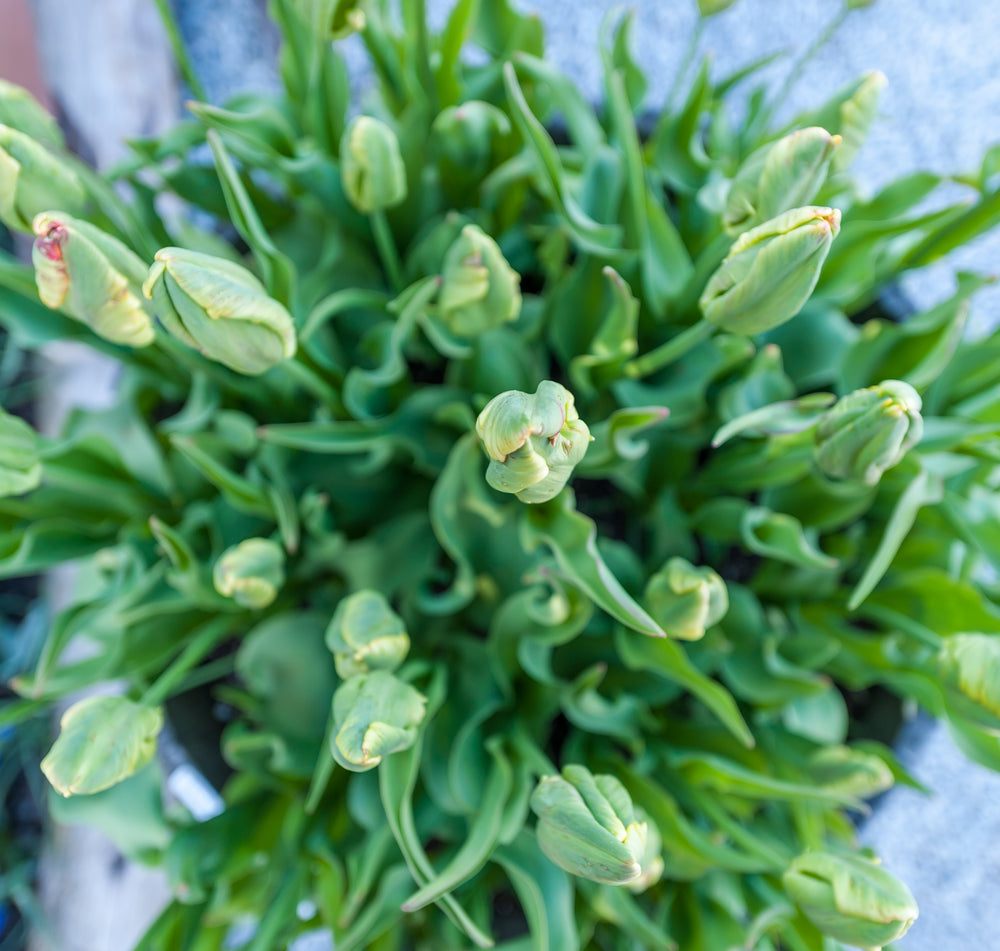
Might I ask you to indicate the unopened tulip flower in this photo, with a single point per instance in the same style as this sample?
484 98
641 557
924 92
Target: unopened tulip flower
534 441
479 289
857 112
651 860
779 177
335 20
33 180
971 664
365 634
868 431
850 899
464 135
587 825
770 271
22 111
251 573
374 715
20 469
850 772
102 740
708 8
93 277
371 167
685 601
221 309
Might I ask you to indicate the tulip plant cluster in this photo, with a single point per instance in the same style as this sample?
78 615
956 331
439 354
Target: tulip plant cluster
533 495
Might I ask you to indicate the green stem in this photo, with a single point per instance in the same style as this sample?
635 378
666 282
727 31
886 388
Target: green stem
795 73
179 49
208 673
130 227
387 248
694 38
312 381
323 772
901 622
739 835
191 362
202 642
669 352
705 266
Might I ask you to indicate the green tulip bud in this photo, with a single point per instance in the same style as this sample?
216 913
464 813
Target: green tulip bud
859 4
588 826
778 178
685 601
971 664
333 19
868 431
651 860
374 715
464 136
221 309
93 277
533 441
856 113
20 470
371 168
770 271
365 634
709 8
849 772
345 18
102 740
479 289
32 180
850 899
22 111
251 573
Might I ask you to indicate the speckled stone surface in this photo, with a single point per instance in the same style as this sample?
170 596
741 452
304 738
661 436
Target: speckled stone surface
943 846
232 43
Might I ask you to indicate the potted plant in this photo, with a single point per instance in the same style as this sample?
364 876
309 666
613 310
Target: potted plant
527 510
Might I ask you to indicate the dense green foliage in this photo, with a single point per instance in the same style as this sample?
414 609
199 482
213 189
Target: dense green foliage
530 485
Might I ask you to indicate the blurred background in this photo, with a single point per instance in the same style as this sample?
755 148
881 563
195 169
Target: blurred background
105 69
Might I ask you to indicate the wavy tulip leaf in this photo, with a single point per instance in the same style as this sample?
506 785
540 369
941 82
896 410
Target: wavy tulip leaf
380 913
130 813
241 492
362 387
615 439
572 538
545 892
926 488
692 852
619 908
713 772
788 416
666 658
102 741
782 537
613 344
482 838
397 777
591 235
